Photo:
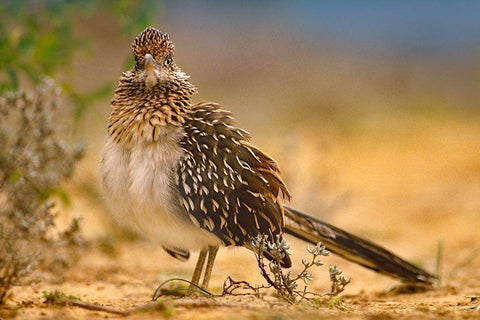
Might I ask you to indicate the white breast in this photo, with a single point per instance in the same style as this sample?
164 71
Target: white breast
140 190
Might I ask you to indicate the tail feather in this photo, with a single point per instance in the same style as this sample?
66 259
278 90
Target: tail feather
353 248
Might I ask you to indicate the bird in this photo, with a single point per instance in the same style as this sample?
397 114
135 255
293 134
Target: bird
185 176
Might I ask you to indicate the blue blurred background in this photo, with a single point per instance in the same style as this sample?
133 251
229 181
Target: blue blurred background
427 28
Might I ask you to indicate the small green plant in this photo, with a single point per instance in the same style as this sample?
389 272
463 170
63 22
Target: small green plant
332 303
286 284
338 281
57 297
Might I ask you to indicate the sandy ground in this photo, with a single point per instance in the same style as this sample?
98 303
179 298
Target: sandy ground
129 279
406 186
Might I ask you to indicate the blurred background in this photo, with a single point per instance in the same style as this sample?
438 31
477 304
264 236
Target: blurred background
371 108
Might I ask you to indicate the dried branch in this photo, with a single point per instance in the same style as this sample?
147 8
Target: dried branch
230 286
60 299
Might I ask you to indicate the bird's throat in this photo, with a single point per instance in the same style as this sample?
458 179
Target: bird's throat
150 79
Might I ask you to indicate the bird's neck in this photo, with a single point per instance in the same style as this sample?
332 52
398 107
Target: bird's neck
144 116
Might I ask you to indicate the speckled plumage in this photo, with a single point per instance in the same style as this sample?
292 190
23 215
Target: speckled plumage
227 188
186 176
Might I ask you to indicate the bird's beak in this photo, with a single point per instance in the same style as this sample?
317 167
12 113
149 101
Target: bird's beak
149 62
150 76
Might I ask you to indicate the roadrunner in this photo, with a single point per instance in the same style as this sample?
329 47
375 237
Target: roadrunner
186 176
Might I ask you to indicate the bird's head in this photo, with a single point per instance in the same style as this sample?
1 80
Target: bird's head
155 68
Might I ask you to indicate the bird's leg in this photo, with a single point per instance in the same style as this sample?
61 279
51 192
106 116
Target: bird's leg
212 253
199 267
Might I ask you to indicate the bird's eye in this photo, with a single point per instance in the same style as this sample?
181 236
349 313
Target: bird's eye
168 61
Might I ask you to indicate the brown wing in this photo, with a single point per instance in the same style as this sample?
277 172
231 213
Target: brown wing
227 186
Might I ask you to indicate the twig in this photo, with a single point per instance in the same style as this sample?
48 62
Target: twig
278 273
261 264
230 285
151 306
93 307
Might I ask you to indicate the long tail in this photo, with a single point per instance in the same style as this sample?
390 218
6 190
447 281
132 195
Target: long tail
353 248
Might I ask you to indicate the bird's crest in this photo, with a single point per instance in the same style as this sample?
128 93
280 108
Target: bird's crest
152 41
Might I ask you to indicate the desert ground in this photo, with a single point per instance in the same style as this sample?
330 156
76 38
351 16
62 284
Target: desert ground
367 179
